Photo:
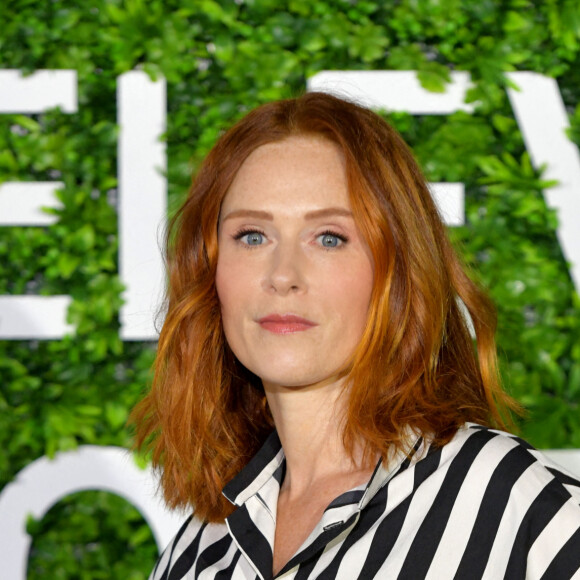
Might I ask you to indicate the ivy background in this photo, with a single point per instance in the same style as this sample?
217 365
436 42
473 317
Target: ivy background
221 59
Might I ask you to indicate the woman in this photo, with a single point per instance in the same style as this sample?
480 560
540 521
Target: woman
316 366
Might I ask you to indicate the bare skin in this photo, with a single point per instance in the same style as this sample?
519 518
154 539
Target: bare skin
297 517
318 469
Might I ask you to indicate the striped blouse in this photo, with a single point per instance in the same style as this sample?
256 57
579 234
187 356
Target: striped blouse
486 505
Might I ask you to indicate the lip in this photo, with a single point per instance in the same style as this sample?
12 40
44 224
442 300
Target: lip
285 323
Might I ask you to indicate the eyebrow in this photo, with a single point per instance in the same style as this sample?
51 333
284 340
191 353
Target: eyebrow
252 213
264 215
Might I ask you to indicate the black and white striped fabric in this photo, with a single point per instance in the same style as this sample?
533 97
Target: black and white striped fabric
486 505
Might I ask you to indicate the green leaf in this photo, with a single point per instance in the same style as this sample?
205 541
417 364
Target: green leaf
434 77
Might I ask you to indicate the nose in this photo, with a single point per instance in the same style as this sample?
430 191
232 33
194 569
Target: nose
285 272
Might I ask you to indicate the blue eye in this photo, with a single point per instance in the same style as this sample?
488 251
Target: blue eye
330 240
252 238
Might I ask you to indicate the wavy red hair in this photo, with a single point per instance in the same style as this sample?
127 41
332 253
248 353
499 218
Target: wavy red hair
416 364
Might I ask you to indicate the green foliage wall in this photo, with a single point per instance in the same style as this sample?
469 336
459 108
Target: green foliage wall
220 59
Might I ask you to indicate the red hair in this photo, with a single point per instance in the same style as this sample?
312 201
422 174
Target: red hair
415 366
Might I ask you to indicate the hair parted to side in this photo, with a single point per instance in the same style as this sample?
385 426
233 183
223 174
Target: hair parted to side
416 364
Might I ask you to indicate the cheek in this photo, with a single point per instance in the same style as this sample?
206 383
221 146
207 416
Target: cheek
234 292
353 289
237 279
227 277
221 283
224 289
225 283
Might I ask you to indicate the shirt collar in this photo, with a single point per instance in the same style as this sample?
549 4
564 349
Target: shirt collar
270 461
257 472
255 491
400 460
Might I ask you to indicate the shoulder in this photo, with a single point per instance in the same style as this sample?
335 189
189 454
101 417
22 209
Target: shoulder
527 508
183 555
511 452
504 459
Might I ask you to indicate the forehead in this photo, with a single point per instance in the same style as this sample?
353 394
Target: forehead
300 171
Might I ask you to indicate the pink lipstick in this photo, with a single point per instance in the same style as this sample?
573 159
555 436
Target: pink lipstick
285 323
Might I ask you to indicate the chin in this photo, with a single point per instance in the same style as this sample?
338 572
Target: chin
287 368
294 378
285 379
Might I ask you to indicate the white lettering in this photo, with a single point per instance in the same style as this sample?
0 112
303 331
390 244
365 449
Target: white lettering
44 482
38 92
450 200
21 203
394 90
142 201
33 317
542 118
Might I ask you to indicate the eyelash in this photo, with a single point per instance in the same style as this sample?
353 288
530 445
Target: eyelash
341 237
245 231
241 233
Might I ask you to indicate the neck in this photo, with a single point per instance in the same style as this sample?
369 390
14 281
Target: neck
309 424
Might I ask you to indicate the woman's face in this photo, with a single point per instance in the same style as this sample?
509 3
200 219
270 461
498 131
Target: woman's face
294 276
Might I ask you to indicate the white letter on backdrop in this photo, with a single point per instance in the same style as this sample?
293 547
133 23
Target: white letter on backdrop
44 482
37 317
543 121
141 210
141 109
